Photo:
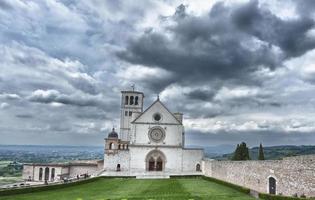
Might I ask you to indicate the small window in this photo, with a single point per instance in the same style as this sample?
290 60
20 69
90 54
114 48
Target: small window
136 100
126 113
131 100
130 113
126 100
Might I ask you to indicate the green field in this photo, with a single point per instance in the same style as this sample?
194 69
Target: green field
166 189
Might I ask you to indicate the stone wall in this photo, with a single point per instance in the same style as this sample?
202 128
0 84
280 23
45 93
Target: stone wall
121 157
191 157
294 175
76 170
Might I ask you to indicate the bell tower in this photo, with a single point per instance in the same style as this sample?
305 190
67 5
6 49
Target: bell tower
131 103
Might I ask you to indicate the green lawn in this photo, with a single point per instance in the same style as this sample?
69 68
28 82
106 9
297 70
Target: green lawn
166 189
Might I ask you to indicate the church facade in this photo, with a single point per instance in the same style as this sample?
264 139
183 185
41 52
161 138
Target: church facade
151 140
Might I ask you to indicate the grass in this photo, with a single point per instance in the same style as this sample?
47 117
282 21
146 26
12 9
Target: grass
135 189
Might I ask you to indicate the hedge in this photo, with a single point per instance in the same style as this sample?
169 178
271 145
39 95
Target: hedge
278 197
186 176
231 185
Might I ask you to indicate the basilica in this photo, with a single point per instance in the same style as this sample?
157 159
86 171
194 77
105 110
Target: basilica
151 140
150 143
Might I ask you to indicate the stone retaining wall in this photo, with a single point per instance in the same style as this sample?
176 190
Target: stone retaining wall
294 175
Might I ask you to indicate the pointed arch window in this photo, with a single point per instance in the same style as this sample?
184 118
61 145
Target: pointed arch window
52 176
40 174
46 174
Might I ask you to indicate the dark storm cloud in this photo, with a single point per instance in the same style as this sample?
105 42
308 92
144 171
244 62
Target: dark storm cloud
230 43
84 85
92 115
289 35
204 95
53 96
24 116
5 5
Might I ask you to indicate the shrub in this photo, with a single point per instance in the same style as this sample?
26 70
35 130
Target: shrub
187 176
276 197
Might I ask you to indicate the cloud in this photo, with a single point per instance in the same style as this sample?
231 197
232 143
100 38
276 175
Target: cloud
24 116
10 96
236 69
53 96
228 43
4 105
289 35
203 95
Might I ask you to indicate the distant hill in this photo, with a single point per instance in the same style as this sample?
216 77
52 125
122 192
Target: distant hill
274 152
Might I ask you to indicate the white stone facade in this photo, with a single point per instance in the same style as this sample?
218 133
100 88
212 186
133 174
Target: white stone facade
155 139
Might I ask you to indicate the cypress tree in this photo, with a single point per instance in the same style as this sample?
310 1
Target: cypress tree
236 153
241 152
261 155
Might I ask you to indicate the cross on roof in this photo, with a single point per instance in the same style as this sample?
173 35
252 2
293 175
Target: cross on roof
133 86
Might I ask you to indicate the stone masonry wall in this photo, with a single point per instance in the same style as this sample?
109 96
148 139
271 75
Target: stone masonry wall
293 175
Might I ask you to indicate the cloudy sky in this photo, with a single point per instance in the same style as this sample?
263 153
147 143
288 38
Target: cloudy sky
238 70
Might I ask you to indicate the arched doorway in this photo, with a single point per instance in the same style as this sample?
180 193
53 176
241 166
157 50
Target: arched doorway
118 168
155 161
272 185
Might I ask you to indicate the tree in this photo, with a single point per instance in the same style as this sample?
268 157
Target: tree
236 155
241 152
261 155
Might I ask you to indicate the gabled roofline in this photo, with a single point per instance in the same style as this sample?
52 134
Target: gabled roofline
157 100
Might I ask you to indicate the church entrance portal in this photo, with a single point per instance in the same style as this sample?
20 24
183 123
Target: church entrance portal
155 161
